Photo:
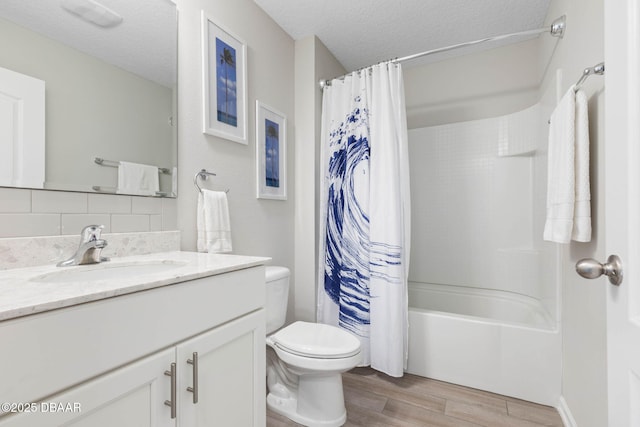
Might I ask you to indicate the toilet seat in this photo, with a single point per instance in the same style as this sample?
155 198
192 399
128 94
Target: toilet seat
315 340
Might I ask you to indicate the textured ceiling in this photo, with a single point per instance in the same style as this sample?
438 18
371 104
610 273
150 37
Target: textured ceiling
363 32
144 43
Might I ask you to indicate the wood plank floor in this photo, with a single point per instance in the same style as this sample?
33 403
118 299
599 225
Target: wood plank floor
376 400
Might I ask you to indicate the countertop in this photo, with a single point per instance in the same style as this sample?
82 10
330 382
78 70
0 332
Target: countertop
23 292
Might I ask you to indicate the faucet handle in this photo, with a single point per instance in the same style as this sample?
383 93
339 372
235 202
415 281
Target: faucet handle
91 233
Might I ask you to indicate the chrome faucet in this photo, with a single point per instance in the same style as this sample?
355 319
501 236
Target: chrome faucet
90 248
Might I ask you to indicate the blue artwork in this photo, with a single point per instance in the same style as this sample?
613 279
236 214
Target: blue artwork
346 279
272 153
226 83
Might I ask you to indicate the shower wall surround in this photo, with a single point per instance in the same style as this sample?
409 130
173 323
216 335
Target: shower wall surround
478 197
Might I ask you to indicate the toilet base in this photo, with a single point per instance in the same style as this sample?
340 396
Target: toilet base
287 407
313 399
307 388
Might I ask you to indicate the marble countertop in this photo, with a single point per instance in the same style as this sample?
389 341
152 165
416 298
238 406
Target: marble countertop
25 291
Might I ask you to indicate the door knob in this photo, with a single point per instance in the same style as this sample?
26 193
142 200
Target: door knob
591 269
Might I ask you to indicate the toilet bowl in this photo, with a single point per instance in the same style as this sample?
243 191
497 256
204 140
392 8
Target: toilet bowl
305 362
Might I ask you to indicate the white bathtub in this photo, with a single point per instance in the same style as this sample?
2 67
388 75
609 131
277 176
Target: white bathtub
491 340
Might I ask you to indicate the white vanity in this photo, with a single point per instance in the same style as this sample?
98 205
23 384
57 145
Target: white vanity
166 339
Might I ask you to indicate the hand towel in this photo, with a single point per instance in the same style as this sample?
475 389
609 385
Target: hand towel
174 181
568 194
214 226
139 179
582 208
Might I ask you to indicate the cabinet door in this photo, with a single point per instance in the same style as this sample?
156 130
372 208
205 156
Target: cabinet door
231 375
130 396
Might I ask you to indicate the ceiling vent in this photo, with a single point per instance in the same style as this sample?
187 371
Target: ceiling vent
92 11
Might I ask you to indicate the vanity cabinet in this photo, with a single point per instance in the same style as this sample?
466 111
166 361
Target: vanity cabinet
228 359
129 396
109 362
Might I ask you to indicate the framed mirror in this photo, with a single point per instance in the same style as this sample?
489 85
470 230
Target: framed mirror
108 72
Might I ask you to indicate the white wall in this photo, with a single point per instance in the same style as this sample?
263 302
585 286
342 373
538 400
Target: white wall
473 196
584 380
313 63
486 84
259 227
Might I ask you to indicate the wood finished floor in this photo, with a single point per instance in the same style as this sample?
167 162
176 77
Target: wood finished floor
376 400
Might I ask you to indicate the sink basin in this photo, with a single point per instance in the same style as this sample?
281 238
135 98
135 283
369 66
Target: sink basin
108 271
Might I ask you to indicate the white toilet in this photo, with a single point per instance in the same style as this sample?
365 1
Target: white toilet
305 361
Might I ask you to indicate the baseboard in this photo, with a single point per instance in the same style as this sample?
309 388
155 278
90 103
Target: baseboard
565 414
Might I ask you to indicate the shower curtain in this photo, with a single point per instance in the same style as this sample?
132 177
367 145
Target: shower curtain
365 214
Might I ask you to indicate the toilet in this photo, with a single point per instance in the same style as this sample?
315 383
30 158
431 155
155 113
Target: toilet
305 361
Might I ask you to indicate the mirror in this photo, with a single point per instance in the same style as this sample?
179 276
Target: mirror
109 84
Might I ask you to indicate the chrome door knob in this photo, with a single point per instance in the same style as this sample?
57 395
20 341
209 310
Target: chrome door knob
591 269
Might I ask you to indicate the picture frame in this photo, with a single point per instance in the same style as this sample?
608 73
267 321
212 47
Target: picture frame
224 76
271 153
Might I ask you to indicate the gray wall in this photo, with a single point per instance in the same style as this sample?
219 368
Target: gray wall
259 227
584 379
313 63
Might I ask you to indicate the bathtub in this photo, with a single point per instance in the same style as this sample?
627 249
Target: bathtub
496 341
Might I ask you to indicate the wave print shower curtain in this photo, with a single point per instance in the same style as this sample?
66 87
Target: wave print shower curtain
365 214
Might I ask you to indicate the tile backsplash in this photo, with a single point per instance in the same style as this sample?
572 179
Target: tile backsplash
30 213
19 252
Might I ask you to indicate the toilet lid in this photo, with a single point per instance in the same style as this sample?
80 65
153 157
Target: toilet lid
316 340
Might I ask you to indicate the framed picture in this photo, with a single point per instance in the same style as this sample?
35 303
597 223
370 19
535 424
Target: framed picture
271 153
224 58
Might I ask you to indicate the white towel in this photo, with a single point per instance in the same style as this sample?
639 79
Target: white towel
139 179
568 191
582 210
214 226
174 181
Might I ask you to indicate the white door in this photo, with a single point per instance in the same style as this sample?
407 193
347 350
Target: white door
22 130
622 177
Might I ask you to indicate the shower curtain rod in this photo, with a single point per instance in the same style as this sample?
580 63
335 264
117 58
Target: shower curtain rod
556 30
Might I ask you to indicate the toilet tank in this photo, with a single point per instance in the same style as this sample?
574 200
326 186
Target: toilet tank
277 296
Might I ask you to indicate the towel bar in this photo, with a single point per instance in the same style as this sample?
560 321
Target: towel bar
114 190
114 164
203 174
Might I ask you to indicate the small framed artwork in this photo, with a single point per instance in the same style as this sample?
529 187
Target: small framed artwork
224 59
271 150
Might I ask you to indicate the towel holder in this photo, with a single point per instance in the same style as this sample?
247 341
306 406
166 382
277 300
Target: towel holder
203 174
114 164
596 69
